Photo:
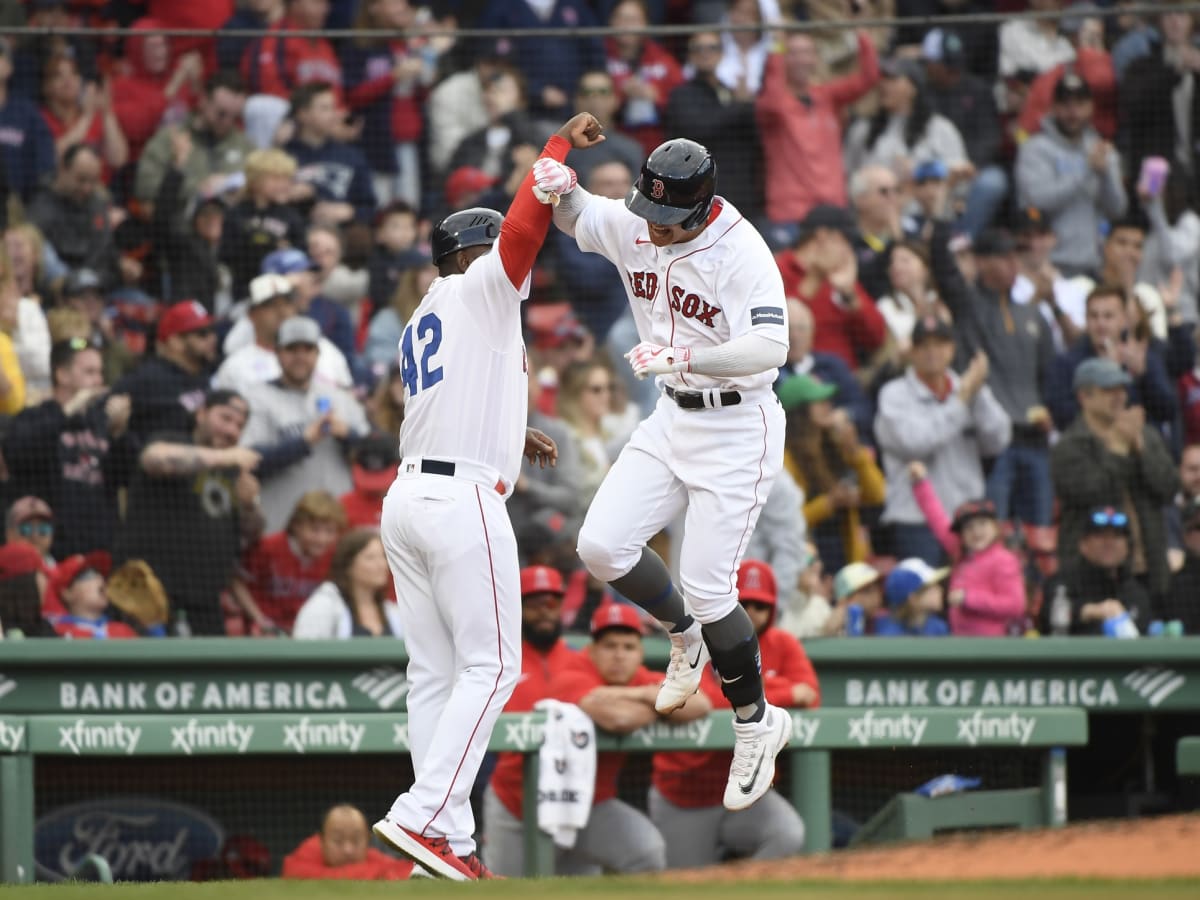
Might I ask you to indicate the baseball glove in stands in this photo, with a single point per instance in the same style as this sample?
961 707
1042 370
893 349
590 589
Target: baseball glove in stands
136 591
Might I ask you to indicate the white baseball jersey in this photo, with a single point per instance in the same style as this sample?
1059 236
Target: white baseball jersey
718 286
465 372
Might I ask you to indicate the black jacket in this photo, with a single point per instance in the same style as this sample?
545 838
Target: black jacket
164 397
1087 583
1147 125
1182 600
79 232
251 233
971 106
76 466
712 116
189 260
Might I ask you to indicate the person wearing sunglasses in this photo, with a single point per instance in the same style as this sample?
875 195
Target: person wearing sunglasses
1110 454
1098 578
685 800
30 520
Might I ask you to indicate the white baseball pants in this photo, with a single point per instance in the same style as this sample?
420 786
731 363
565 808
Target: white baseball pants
453 556
719 465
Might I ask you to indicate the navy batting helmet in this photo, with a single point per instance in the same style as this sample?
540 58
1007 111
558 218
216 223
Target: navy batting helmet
473 227
676 186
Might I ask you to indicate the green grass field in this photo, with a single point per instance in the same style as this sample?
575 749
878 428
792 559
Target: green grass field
622 888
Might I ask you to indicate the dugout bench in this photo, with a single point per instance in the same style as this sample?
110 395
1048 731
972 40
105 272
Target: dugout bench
816 735
1187 757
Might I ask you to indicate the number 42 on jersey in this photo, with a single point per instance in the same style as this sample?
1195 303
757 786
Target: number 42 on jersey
427 341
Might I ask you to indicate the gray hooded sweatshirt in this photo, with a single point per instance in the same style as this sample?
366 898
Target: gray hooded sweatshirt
1053 174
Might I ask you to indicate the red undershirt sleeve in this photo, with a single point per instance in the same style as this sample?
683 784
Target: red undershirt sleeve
525 226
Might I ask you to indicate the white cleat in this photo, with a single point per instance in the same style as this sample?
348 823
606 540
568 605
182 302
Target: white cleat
689 656
757 745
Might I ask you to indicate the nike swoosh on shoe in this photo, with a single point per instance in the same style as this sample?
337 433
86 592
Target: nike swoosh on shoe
748 786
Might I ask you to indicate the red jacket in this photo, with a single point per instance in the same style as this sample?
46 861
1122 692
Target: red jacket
850 334
1096 68
204 15
579 679
275 65
280 579
307 861
538 672
695 779
802 142
362 510
1189 405
138 99
658 69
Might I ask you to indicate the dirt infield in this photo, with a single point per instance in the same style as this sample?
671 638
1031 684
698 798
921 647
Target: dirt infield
1144 848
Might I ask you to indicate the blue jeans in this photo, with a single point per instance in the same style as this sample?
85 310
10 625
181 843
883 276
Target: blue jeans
916 540
985 197
1020 485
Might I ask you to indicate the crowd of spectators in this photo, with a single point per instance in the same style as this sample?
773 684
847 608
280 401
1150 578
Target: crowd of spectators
988 236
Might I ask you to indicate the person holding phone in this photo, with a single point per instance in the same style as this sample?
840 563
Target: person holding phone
303 427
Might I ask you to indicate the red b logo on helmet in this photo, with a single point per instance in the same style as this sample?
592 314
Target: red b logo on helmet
657 189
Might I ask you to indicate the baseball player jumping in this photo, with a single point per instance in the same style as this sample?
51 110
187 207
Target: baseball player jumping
448 538
709 306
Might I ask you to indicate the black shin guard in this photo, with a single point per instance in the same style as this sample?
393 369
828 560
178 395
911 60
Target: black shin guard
649 585
733 646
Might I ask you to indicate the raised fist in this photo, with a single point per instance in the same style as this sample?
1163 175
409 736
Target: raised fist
552 179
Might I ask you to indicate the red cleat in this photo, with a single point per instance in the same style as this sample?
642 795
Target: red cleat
482 872
433 854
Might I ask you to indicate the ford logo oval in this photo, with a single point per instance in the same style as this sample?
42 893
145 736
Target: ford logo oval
142 838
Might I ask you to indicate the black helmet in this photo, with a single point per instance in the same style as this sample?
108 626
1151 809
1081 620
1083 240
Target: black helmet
473 227
676 186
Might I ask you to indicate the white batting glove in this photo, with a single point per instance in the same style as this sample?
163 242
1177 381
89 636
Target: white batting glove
551 179
652 359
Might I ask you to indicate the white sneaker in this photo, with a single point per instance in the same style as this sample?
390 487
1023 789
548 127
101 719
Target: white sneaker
689 656
757 745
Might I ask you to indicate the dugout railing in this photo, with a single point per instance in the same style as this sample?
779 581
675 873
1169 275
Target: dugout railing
817 733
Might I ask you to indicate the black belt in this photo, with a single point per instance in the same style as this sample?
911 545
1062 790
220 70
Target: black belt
437 467
695 399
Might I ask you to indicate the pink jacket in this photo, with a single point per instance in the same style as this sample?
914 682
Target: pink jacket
991 579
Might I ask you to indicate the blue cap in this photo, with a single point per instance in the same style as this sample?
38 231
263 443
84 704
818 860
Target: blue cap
930 170
285 262
900 585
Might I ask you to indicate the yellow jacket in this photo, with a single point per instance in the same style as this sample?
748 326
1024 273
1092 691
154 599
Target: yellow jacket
872 488
12 402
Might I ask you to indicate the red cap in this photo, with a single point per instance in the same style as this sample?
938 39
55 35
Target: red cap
26 508
182 317
756 582
19 558
616 615
376 461
541 580
67 571
465 181
373 481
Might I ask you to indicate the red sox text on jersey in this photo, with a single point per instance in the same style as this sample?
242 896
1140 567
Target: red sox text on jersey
691 306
